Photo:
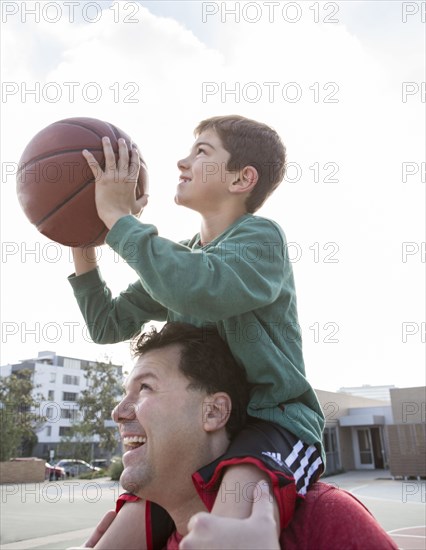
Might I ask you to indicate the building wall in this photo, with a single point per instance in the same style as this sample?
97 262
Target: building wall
372 392
26 471
409 405
407 444
407 437
337 404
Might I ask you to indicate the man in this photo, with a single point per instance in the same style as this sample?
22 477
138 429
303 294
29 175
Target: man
185 399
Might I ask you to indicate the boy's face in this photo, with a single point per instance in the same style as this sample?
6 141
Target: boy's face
204 181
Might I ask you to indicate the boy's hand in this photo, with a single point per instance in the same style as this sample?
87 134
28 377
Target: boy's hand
116 186
209 532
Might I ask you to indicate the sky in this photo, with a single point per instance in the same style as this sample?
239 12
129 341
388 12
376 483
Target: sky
341 82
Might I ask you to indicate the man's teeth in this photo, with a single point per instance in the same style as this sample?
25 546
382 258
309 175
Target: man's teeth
134 441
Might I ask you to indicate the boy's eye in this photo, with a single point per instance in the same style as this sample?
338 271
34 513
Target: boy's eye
144 387
200 150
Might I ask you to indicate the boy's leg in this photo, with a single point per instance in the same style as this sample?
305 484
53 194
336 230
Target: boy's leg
265 450
237 493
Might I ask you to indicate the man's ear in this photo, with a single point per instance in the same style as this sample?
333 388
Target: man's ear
216 411
245 180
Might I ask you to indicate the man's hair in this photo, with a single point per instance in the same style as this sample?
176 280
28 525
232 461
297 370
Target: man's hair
250 143
206 361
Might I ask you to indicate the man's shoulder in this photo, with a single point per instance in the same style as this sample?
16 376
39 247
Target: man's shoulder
330 518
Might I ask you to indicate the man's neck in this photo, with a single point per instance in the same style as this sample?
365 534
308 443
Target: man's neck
182 511
214 225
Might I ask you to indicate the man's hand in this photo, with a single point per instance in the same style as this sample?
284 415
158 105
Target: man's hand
116 186
99 531
209 532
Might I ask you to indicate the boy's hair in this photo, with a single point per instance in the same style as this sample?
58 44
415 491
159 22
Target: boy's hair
206 361
250 143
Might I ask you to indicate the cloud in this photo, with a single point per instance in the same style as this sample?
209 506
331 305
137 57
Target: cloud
348 135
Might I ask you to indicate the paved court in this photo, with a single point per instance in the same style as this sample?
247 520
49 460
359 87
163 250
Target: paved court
57 515
398 505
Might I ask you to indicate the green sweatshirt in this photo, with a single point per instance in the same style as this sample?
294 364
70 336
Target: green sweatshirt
241 283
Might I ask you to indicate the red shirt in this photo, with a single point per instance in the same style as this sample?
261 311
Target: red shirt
326 519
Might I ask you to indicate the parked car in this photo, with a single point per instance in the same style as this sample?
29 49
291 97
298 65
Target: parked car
54 472
75 467
101 463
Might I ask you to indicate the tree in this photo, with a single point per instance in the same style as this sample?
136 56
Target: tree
19 419
96 403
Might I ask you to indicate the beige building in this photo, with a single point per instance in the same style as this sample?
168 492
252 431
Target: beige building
406 438
363 433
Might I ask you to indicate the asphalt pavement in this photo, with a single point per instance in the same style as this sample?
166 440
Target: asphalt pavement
58 515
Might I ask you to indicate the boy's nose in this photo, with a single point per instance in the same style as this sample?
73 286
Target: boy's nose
182 164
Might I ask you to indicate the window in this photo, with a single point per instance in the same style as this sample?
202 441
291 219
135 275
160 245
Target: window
70 414
51 395
49 412
64 430
52 379
69 396
68 379
72 363
48 431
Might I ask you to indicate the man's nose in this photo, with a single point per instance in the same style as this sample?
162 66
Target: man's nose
124 411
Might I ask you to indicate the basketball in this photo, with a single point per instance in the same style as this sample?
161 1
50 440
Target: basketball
55 185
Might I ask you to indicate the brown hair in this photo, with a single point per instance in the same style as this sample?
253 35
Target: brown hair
250 143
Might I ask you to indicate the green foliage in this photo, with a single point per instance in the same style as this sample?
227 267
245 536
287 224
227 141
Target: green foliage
19 419
116 469
92 475
96 404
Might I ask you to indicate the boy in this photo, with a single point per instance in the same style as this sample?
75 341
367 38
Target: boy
234 274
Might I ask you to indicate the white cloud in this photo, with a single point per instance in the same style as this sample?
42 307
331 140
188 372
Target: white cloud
367 135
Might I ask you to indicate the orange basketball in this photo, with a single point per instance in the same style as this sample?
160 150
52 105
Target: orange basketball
55 185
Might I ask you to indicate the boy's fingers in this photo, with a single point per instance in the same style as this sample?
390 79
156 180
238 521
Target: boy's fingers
93 163
110 163
199 520
134 165
123 155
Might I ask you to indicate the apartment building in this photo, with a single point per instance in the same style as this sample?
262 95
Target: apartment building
60 380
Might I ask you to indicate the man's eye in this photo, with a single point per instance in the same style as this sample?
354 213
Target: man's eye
200 150
145 387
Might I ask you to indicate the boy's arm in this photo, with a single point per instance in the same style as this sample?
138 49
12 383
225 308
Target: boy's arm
84 259
110 320
246 271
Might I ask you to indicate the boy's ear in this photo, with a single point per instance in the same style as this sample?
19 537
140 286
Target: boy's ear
245 181
216 411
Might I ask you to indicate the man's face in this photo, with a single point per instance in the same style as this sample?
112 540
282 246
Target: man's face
204 180
160 422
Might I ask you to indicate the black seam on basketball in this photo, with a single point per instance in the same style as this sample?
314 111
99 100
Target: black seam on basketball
58 154
82 126
99 234
115 130
64 202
